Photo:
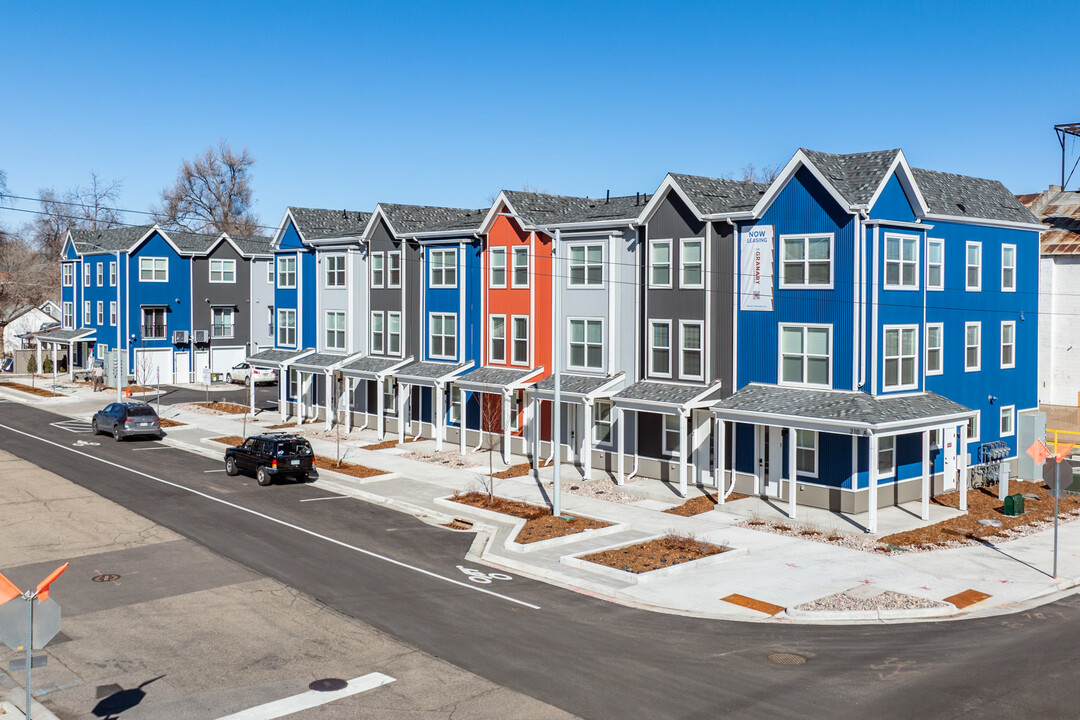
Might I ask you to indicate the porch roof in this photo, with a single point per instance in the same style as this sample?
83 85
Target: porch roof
577 387
319 361
274 358
373 367
66 337
845 411
667 398
496 380
430 373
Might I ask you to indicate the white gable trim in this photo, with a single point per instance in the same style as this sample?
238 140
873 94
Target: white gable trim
280 234
149 234
660 195
907 182
489 219
373 222
797 161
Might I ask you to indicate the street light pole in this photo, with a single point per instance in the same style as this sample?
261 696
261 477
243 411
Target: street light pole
556 349
119 334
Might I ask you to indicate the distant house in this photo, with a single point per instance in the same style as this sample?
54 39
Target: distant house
1059 301
26 320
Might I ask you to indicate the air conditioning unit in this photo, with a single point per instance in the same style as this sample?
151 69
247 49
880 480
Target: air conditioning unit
180 337
202 336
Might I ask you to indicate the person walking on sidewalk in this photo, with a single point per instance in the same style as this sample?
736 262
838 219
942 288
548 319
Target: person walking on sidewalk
99 378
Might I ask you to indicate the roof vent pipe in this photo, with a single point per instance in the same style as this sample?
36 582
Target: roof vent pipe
637 199
608 199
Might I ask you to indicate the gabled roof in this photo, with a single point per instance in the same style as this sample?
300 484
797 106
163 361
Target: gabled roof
190 243
597 211
1060 211
535 211
962 196
409 220
317 224
713 196
246 245
112 239
856 176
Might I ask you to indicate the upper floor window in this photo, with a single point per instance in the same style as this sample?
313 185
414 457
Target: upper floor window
935 264
935 333
691 367
660 348
222 322
807 261
378 333
270 272
442 341
497 278
521 267
497 339
223 271
100 274
443 269
519 325
972 346
86 274
805 357
69 316
153 323
153 269
378 271
660 263
393 261
286 272
86 312
1008 421
270 320
112 274
112 313
393 333
286 327
335 329
901 357
586 265
973 266
1008 344
69 274
335 271
1008 268
586 344
100 313
691 264
901 262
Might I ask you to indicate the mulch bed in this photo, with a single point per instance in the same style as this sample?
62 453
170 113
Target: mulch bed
230 440
655 554
170 423
983 504
386 444
32 390
282 425
225 407
519 470
323 463
540 523
702 504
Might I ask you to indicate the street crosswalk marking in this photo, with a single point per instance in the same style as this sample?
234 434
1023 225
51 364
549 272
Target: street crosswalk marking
310 699
74 426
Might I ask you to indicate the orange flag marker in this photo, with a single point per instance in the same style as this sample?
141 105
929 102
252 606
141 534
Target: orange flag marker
1063 452
1038 452
43 586
8 590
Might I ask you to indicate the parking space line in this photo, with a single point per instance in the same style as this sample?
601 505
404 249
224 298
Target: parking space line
310 699
162 447
330 497
209 471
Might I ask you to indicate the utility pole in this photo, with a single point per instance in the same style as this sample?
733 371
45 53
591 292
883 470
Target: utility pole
556 348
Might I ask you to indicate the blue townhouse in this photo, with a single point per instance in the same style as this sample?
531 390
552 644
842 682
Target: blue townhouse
885 333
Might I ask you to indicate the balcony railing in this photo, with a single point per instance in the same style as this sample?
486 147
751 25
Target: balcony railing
153 332
222 331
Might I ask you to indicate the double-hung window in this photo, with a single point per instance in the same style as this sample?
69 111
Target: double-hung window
153 269
112 313
519 327
520 259
270 272
806 459
393 333
672 434
972 346
660 263
455 404
222 322
286 272
497 339
805 356
602 421
100 274
100 313
443 269
901 357
223 271
660 348
69 316
393 261
691 367
335 271
586 265
286 327
974 423
378 333
807 261
1008 421
378 270
901 262
886 457
335 330
935 334
112 274
86 312
1008 268
442 342
69 274
86 274
270 320
587 344
1008 344
497 271
692 264
935 264
973 266
153 323
389 391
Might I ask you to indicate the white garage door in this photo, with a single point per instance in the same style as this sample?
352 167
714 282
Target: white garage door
222 359
148 363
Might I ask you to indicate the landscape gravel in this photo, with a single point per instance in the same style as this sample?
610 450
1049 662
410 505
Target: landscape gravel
597 489
446 458
887 600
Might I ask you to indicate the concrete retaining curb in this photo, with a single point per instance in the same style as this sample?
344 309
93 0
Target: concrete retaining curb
844 617
642 578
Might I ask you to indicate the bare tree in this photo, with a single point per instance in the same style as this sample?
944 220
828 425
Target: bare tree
766 174
91 206
491 423
27 277
211 193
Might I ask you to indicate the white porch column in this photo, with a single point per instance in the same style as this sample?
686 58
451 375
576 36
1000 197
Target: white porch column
924 511
251 391
461 422
38 352
620 443
720 433
586 438
734 448
55 367
380 407
506 426
439 419
962 464
283 388
682 453
793 470
404 408
534 428
872 457
350 398
330 400
301 392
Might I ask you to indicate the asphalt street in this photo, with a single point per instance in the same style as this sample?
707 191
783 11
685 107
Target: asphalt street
589 657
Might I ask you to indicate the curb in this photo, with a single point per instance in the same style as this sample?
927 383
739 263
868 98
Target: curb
831 617
576 561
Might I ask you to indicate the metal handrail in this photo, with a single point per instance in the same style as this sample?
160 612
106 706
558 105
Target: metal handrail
1055 442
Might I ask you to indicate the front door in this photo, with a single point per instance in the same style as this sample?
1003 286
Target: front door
770 459
949 454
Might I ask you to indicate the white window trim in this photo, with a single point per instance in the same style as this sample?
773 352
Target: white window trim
231 326
443 253
597 423
1004 287
817 454
327 329
914 384
327 272
281 273
112 312
978 286
270 273
1011 410
682 263
492 253
941 348
780 354
86 274
283 313
513 340
514 253
431 335
585 266
491 340
939 242
222 264
1001 355
100 274
569 342
453 409
164 322
112 273
891 472
978 346
400 333
653 244
377 267
683 324
86 312
885 262
68 275
69 315
664 449
153 270
100 312
974 436
652 371
390 256
515 412
381 348
805 237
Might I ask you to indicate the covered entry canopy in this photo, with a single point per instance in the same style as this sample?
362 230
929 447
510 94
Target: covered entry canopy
274 358
577 388
69 338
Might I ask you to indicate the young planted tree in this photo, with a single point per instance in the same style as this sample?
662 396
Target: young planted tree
491 428
211 193
31 367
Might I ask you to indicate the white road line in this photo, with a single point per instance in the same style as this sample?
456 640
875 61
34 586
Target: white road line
206 471
310 699
283 523
332 497
163 447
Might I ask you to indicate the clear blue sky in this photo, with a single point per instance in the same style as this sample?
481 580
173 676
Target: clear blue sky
349 104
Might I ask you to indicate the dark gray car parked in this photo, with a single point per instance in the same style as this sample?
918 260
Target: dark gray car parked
127 419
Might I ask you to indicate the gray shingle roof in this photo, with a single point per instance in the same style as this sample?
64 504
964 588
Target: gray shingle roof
320 360
369 365
719 195
845 407
274 357
661 393
120 238
66 335
253 244
572 384
620 209
192 242
427 370
317 224
970 197
409 219
856 175
494 377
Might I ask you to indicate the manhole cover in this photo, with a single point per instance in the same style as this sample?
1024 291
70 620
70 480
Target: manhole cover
990 522
787 659
107 577
327 684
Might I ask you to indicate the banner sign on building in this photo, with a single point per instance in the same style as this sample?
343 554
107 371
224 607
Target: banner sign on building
756 269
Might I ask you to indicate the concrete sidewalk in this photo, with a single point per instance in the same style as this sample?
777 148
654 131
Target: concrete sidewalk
763 578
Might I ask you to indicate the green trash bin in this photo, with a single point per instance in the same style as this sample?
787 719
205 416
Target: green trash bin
1014 505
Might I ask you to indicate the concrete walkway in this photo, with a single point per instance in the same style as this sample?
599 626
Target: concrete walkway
763 578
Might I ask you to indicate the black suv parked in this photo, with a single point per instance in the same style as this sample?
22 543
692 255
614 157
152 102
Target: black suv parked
272 455
125 419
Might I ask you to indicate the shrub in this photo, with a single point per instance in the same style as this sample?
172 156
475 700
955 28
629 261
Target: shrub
31 364
46 366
